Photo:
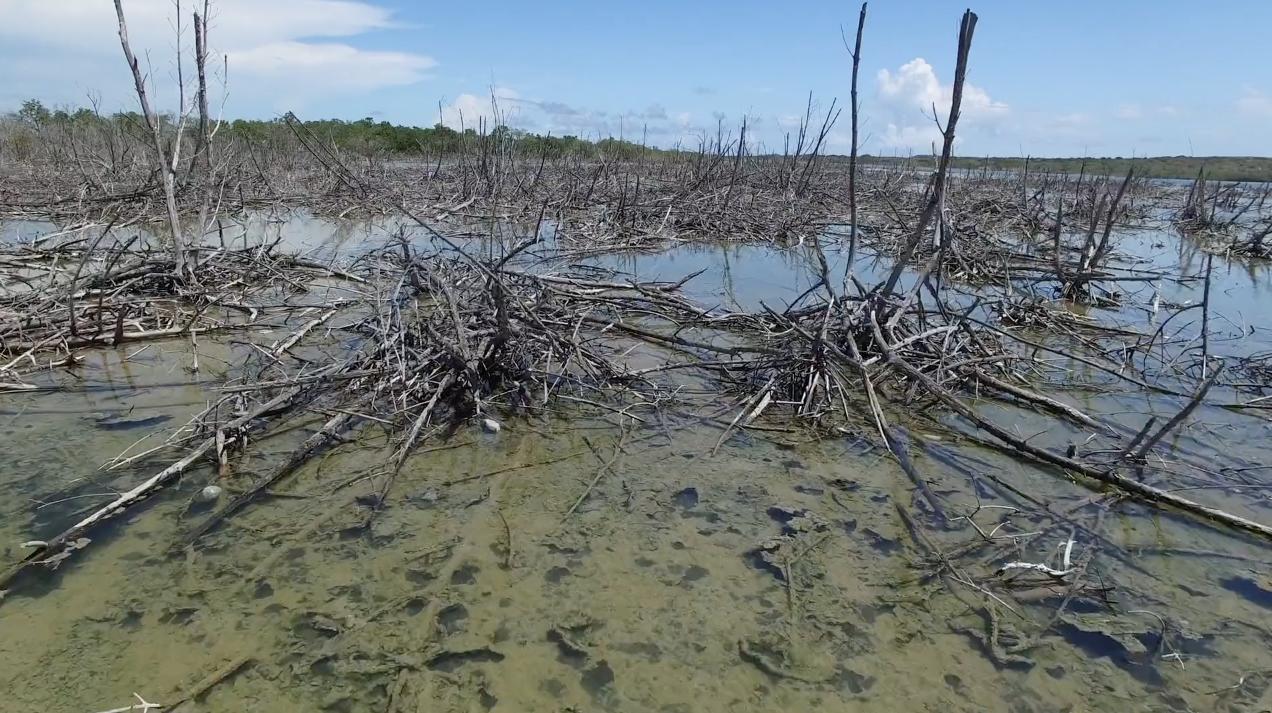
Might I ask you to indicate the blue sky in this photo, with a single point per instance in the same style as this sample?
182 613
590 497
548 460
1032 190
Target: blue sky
1057 78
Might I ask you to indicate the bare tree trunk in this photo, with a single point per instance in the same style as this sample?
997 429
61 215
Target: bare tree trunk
852 156
201 163
167 168
202 140
966 29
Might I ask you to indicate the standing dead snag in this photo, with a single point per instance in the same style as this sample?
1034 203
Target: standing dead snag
966 29
202 160
852 155
165 159
1093 252
1193 214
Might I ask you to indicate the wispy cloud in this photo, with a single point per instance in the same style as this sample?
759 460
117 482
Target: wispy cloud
655 123
82 24
280 48
330 65
1134 112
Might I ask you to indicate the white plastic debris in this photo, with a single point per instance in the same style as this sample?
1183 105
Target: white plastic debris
1037 567
1067 564
490 425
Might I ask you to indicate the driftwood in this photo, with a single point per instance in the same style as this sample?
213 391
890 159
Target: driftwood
146 488
1106 476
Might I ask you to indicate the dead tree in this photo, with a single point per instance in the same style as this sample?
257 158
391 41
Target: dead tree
852 156
202 160
966 29
165 158
1094 252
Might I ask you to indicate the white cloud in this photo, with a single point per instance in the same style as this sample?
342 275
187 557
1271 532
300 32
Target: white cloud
907 97
915 86
276 48
1256 103
331 65
919 138
89 25
470 111
466 112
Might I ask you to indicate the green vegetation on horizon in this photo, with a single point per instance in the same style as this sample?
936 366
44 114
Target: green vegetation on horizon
364 136
370 137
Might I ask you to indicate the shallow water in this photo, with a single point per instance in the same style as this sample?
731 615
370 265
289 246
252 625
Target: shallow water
777 575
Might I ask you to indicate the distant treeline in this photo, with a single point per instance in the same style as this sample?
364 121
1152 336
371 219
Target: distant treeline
366 136
369 136
1220 168
372 136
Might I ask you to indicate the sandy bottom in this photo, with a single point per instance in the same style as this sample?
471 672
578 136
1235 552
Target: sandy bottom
580 567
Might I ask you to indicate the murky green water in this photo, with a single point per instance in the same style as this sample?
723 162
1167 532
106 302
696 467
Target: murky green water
777 575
